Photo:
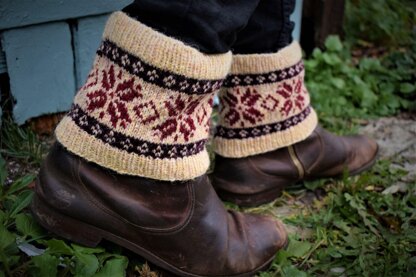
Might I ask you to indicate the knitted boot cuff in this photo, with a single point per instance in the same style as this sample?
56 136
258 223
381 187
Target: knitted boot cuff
264 104
145 107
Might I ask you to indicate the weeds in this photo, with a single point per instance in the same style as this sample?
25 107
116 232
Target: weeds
21 143
360 227
344 93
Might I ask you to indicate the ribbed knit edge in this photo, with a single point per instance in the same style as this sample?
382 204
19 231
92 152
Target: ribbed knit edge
239 148
163 51
264 63
80 143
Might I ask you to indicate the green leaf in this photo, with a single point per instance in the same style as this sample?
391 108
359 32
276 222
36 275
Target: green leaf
3 172
45 265
298 249
407 88
338 83
6 238
86 264
333 43
2 217
58 247
21 202
20 183
87 250
27 226
291 271
115 267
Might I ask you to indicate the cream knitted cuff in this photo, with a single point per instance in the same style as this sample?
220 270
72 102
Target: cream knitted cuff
146 105
264 104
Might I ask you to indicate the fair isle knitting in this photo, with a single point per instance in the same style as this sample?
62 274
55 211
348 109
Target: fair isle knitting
145 107
264 104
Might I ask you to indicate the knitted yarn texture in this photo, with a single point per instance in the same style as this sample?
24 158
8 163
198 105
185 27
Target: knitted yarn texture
264 104
146 105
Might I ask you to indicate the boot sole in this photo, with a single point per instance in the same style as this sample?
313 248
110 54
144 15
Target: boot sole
90 236
264 197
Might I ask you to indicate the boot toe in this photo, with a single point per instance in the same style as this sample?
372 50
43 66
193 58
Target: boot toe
362 152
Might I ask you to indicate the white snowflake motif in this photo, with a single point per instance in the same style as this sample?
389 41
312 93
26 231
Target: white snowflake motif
115 54
183 85
231 133
260 79
96 129
248 79
169 81
194 149
172 152
125 60
235 80
127 144
216 85
196 87
267 129
278 127
109 138
283 74
207 86
152 75
184 152
221 132
158 151
137 67
273 77
288 123
243 133
255 132
295 120
143 148
292 71
83 121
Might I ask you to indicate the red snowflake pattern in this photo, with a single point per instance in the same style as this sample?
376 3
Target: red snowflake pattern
112 96
184 113
293 93
241 107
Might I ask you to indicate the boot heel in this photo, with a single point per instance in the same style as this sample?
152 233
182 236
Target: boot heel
65 226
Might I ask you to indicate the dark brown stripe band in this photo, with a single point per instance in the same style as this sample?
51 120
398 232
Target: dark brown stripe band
154 75
266 78
253 132
130 144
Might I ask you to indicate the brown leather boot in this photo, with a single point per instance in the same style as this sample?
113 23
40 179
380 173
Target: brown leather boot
180 226
261 178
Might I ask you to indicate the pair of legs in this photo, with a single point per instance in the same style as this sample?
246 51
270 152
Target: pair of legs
130 161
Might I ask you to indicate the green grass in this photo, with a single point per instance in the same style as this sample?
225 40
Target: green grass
359 227
355 230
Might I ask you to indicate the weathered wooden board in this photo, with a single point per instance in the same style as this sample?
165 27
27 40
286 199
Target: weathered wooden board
41 69
16 13
87 35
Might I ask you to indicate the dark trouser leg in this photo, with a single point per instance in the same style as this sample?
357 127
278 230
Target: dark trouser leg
211 26
268 29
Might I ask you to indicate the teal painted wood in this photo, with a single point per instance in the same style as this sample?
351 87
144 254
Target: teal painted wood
17 13
3 66
41 69
87 36
297 18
